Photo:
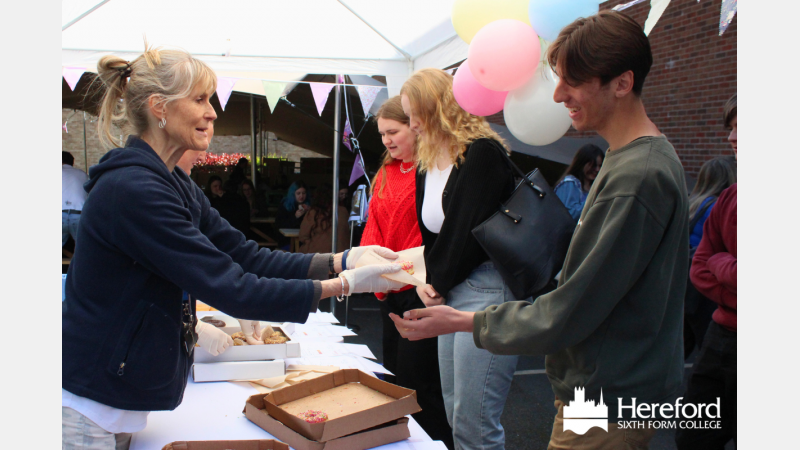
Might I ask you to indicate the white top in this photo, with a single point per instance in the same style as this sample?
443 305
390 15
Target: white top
110 419
432 212
72 194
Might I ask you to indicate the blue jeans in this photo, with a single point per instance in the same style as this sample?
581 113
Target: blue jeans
69 226
475 383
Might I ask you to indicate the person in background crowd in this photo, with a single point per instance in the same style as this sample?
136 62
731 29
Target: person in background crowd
713 273
613 326
316 229
128 338
462 178
730 110
192 157
345 198
392 224
234 208
258 206
239 173
715 176
214 187
294 206
73 197
209 337
574 185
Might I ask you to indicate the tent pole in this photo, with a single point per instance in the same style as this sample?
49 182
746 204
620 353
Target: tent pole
253 139
337 119
85 151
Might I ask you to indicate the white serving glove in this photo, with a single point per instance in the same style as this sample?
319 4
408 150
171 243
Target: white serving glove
212 339
252 331
357 252
369 279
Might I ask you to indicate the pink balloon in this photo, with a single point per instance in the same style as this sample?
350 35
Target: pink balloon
504 54
474 98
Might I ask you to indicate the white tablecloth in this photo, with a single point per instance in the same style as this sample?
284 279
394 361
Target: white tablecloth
213 411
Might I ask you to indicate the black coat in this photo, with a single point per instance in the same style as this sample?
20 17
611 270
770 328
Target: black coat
474 191
146 236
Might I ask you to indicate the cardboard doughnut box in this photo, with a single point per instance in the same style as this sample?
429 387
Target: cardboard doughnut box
363 412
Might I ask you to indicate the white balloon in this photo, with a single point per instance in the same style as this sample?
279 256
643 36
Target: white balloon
530 113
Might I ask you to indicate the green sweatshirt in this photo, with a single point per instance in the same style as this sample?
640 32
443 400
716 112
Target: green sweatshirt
615 321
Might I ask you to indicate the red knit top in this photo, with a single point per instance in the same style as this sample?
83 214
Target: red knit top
392 221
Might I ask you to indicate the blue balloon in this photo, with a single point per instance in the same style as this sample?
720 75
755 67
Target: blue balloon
548 17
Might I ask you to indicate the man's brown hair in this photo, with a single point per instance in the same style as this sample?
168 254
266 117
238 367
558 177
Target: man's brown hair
729 113
605 46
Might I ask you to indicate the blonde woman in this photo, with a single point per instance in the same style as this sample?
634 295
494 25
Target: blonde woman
393 224
128 336
461 181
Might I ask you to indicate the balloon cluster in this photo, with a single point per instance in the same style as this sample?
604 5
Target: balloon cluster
504 70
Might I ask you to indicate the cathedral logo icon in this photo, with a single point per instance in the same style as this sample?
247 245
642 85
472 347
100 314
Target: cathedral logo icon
581 414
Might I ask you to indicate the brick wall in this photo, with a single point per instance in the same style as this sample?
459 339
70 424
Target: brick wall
693 75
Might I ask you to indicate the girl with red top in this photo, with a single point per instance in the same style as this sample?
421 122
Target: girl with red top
393 224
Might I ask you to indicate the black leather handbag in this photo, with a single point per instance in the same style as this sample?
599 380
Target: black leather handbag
528 238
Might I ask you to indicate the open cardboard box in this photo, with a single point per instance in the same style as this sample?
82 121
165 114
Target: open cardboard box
253 444
366 412
395 430
252 352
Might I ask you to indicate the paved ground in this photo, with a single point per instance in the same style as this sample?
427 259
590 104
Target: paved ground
529 411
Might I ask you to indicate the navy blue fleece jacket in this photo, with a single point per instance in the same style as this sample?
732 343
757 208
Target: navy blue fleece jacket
146 235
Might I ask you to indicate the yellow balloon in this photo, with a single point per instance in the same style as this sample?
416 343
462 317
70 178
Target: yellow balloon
469 16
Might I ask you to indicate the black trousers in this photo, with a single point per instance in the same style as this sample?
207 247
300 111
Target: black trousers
416 366
714 376
697 312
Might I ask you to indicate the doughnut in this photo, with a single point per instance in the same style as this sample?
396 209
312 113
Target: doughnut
217 323
407 266
238 335
312 416
237 342
268 331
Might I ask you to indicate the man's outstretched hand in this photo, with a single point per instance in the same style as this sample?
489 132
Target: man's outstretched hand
433 321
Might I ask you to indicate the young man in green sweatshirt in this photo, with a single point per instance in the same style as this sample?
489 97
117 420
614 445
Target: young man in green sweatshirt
613 327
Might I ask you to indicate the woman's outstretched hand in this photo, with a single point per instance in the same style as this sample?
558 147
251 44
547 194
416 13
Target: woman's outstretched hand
357 252
369 279
429 296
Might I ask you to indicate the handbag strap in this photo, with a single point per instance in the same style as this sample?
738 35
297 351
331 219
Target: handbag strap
516 169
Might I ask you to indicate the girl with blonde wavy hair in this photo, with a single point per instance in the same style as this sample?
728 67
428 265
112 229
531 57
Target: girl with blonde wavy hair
463 178
150 243
393 224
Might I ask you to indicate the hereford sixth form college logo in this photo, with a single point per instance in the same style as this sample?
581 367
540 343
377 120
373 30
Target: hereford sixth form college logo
581 414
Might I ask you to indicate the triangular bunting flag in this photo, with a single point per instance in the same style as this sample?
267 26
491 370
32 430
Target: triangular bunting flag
358 169
726 13
72 75
367 95
346 135
274 91
321 92
657 8
224 89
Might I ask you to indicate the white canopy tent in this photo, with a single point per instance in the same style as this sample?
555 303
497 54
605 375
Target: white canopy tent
275 40
256 40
